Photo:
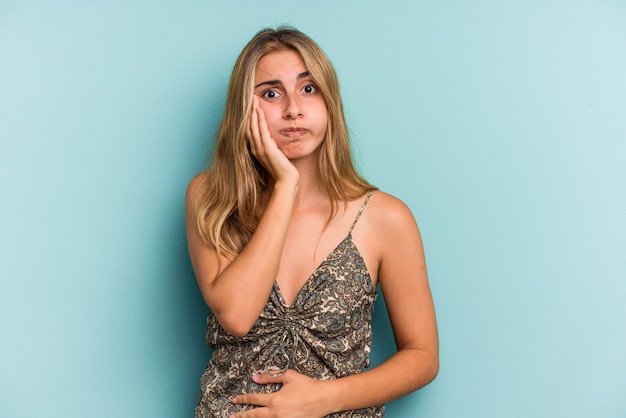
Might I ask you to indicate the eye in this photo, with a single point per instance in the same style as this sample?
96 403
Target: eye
310 89
270 94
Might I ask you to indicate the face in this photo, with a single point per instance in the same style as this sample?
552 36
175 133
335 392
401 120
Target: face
295 110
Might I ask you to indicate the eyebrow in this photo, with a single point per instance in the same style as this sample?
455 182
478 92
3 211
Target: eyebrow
277 82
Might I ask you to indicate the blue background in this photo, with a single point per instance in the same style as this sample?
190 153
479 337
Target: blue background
501 124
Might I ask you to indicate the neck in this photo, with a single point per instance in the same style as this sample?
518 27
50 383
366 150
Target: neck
310 188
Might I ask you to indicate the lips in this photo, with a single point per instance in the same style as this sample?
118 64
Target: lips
293 132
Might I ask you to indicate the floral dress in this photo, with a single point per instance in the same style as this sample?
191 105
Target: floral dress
326 334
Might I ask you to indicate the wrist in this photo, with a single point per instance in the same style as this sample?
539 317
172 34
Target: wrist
288 184
331 396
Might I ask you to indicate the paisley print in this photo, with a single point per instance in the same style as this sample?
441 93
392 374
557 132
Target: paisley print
325 334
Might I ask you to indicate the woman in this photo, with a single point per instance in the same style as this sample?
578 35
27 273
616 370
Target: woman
288 243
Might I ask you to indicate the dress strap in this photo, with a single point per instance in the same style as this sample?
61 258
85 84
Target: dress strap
358 215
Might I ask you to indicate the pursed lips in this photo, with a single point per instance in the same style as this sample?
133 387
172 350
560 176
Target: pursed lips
293 132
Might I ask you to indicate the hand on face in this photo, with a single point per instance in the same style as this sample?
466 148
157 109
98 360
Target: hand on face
265 149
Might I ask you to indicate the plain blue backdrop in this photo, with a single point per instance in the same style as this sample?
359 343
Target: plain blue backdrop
501 124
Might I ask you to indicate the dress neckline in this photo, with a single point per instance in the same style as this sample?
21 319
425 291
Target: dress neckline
348 238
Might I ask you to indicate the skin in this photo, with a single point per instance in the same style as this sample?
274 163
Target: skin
285 132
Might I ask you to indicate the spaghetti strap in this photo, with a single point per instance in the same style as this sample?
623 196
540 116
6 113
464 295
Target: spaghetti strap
358 215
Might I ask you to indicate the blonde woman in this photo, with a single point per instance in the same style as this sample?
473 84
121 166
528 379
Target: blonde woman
288 244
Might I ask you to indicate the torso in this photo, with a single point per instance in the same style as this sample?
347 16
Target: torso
324 332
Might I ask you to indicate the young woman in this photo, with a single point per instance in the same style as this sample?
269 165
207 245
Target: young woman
288 243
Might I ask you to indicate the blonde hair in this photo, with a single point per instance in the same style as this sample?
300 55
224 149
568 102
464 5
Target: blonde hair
228 205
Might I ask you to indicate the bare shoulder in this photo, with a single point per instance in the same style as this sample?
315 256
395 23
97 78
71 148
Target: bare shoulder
388 235
389 214
194 186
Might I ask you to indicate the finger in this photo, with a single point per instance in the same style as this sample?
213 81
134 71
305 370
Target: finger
260 124
254 136
265 378
256 399
263 128
253 413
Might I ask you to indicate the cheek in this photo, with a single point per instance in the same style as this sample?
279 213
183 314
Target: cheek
320 109
271 114
323 117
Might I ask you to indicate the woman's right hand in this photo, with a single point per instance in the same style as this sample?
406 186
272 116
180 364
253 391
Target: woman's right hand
265 149
237 290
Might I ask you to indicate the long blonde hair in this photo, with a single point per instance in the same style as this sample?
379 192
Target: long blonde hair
228 205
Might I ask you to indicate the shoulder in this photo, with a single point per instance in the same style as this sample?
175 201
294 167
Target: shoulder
388 223
195 185
388 213
388 236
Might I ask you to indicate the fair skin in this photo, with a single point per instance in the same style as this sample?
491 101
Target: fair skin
287 127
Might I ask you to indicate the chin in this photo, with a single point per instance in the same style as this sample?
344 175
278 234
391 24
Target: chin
300 154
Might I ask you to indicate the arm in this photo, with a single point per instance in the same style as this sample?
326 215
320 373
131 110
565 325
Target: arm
238 290
404 282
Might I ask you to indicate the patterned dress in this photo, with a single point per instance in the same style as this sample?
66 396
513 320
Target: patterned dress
325 334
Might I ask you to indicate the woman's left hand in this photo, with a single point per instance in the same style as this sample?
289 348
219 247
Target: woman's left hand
299 396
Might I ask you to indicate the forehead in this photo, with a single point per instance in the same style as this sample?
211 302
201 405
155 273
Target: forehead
280 65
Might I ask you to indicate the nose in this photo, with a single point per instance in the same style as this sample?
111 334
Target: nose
293 107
